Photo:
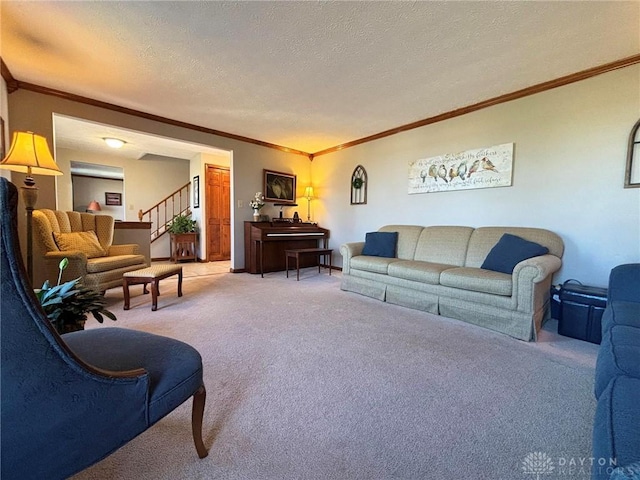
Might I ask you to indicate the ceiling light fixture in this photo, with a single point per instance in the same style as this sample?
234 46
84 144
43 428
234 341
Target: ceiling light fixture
114 142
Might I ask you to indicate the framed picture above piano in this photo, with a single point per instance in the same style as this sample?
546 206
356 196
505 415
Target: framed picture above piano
279 187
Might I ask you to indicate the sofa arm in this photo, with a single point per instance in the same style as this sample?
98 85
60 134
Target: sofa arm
532 280
537 269
348 251
624 283
77 265
125 249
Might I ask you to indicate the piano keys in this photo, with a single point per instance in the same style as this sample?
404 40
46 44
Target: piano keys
265 243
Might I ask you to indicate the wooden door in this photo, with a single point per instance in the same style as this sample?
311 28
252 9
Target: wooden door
218 198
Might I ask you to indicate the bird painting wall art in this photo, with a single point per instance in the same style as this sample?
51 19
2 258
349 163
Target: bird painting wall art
478 168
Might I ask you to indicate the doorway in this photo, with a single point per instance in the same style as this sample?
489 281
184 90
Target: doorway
218 200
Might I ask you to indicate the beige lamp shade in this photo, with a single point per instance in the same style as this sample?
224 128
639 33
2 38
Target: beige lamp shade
94 207
308 192
29 153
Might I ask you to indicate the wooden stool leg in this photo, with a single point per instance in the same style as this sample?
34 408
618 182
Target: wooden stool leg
144 288
197 413
180 283
125 289
298 266
329 264
286 264
154 295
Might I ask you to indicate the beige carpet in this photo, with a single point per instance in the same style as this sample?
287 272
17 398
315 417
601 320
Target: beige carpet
305 381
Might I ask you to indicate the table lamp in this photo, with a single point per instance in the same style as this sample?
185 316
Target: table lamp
30 154
308 194
93 207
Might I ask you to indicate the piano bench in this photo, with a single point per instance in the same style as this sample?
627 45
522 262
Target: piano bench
296 253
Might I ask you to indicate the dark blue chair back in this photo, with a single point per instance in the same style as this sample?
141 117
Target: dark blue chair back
60 414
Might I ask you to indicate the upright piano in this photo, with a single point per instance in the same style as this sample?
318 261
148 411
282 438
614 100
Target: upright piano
265 243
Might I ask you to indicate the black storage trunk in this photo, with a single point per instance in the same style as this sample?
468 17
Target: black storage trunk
581 309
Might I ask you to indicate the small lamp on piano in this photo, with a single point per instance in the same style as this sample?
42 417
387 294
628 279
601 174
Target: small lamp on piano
308 194
29 153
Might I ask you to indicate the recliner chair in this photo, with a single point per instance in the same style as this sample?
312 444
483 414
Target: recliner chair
86 241
69 401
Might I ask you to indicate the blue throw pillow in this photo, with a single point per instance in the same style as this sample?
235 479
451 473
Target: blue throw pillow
510 251
381 244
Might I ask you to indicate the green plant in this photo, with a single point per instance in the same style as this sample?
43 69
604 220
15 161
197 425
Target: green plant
67 305
182 224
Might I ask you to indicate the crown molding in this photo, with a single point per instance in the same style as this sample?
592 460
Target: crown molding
525 92
137 113
13 85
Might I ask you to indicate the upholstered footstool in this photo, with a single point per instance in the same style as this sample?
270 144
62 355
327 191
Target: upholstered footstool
151 275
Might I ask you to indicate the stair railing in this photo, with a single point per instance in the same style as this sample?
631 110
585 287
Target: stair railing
163 212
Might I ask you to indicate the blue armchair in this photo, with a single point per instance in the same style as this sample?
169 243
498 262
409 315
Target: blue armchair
68 402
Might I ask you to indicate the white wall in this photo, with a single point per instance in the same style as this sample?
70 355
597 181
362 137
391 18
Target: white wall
569 162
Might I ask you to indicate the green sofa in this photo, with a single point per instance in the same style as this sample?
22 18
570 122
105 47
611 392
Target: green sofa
437 269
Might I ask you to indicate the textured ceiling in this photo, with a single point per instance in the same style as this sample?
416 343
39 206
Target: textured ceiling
308 75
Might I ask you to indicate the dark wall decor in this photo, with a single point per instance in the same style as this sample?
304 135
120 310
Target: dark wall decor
359 186
196 191
632 173
112 198
279 187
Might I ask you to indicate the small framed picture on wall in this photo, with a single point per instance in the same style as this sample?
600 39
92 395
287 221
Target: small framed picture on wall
196 191
112 198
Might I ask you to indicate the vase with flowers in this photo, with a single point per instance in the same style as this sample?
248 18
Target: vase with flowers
257 203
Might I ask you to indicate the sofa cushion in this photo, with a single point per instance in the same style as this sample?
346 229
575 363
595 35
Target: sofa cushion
104 264
445 245
478 280
372 264
618 355
509 251
381 244
620 312
407 239
624 282
615 431
424 272
174 368
86 242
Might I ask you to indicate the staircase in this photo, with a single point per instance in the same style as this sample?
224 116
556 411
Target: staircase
163 212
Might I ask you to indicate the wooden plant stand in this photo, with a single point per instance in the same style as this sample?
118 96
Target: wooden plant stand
184 246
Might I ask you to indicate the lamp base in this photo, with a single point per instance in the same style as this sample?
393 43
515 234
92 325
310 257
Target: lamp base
29 197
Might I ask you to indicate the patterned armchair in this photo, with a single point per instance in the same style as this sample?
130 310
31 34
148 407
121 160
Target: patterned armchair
86 240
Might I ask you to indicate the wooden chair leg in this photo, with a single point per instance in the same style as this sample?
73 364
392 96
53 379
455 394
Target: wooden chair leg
197 414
